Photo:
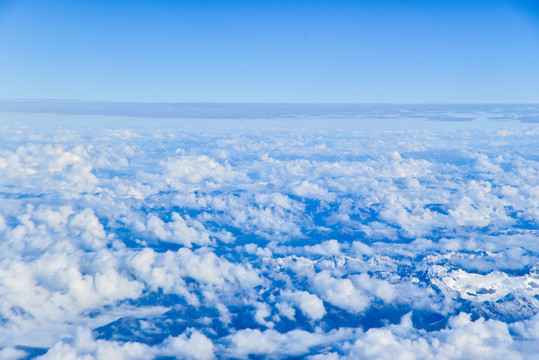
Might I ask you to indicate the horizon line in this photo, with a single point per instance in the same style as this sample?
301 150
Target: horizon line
255 102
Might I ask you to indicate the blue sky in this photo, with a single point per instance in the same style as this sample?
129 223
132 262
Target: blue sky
271 51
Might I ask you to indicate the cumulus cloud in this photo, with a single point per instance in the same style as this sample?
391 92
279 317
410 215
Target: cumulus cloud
319 244
200 168
273 344
340 292
309 304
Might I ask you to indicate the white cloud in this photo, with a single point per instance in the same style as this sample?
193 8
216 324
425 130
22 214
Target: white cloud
197 169
339 292
309 304
311 190
196 346
273 344
273 230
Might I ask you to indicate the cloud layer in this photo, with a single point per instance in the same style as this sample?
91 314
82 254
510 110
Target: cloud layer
218 243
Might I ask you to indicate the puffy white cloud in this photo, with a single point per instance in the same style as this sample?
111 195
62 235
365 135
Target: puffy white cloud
463 339
339 292
313 191
248 236
327 248
196 169
112 286
309 304
88 228
380 288
178 230
12 354
196 346
85 347
262 312
273 344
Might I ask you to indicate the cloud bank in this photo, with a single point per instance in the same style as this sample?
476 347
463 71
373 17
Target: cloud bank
141 244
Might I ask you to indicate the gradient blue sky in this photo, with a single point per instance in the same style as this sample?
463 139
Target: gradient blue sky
271 51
